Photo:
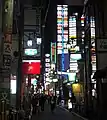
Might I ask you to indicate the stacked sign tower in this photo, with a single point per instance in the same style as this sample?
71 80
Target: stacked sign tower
62 36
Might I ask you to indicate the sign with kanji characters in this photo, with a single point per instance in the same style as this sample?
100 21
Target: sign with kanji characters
7 38
102 45
6 61
7 48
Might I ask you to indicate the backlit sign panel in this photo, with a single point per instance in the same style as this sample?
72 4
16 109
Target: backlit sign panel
72 27
93 54
31 67
30 52
47 67
53 52
62 31
62 25
31 45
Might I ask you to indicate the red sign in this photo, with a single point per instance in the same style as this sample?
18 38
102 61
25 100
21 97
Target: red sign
31 68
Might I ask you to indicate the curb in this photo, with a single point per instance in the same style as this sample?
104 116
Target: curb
73 113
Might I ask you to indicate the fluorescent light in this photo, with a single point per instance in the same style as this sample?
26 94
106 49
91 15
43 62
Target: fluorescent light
30 60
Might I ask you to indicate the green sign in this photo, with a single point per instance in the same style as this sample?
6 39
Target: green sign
30 52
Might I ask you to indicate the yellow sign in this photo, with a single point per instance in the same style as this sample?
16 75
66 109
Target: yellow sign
77 88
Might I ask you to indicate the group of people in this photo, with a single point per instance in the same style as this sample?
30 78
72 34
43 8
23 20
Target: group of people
38 102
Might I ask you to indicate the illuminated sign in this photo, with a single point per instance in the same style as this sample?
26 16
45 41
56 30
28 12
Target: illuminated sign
39 40
31 66
72 27
29 43
82 20
47 60
75 56
62 27
53 52
47 63
93 55
30 52
62 31
47 55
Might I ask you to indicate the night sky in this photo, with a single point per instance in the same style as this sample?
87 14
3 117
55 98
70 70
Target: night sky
50 31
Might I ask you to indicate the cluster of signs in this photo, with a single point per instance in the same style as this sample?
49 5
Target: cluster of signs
47 67
7 37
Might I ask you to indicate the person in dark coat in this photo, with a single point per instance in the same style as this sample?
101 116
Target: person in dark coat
52 103
34 103
42 102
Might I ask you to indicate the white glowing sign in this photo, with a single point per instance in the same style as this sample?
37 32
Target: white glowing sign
62 28
47 63
72 27
29 43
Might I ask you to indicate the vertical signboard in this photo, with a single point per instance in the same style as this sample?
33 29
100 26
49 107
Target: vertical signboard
62 32
7 35
53 52
7 23
93 53
73 43
72 27
47 67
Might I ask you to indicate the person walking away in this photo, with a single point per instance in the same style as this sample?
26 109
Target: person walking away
34 104
38 105
42 102
53 103
73 100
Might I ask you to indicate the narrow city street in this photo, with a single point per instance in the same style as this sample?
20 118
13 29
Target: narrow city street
60 114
